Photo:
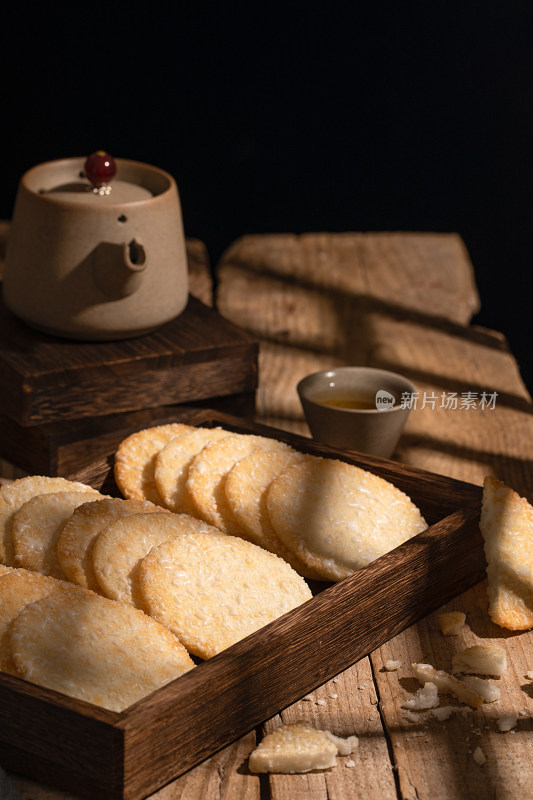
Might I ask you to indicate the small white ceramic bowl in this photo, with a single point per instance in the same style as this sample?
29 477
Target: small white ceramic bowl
356 408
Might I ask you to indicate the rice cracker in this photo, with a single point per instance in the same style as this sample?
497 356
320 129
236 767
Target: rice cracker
507 528
36 526
119 549
172 464
17 589
212 590
246 489
18 492
337 517
76 540
86 646
297 747
207 475
135 460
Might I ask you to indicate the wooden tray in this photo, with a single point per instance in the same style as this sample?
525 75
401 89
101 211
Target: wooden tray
75 746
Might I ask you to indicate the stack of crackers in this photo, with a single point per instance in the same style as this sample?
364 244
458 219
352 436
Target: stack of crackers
217 534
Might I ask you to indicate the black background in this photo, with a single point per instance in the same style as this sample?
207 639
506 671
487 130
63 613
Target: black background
303 117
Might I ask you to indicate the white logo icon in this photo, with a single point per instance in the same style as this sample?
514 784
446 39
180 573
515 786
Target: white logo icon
384 400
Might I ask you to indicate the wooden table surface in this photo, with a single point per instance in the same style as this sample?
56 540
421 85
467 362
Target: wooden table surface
402 302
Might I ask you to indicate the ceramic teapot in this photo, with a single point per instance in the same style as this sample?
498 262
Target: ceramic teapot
93 258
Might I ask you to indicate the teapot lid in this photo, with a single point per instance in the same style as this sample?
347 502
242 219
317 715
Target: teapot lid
81 192
72 180
95 184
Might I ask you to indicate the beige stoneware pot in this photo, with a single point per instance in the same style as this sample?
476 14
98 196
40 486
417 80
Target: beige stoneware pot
93 266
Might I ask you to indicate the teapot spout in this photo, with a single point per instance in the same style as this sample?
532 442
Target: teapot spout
118 268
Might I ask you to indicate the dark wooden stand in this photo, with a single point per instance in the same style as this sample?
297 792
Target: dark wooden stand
59 393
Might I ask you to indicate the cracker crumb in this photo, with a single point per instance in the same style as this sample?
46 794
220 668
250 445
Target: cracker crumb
479 756
334 696
350 763
451 622
321 702
529 675
443 712
507 721
391 665
447 684
426 697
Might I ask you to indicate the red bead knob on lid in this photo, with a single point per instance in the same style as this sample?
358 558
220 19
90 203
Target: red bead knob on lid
100 169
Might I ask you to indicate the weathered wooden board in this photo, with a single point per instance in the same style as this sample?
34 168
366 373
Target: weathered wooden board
388 314
440 754
429 273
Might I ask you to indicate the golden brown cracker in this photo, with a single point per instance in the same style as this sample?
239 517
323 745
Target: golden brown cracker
95 649
212 590
246 488
507 528
207 475
18 492
135 460
17 589
36 526
77 537
337 517
172 464
118 550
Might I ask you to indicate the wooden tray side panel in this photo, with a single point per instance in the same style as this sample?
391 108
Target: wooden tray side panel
53 742
205 710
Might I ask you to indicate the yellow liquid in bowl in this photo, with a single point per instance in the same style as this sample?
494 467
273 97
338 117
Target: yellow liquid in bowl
354 403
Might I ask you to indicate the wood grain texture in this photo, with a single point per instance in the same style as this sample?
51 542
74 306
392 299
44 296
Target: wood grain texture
165 735
347 705
59 447
428 338
196 356
199 271
439 754
430 273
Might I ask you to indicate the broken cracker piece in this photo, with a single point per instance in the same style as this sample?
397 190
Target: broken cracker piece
507 527
481 659
297 747
487 690
451 622
447 683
